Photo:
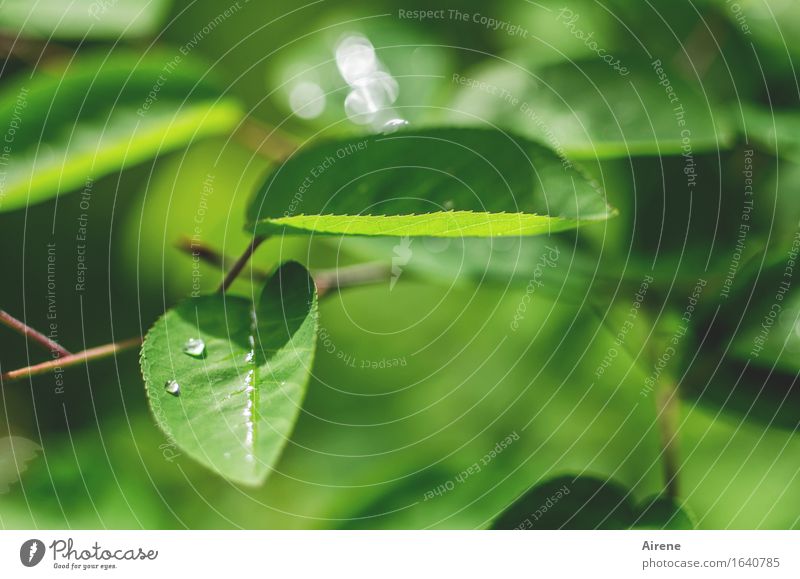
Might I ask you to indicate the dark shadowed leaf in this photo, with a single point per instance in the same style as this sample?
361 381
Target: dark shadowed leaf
587 109
662 513
570 503
586 502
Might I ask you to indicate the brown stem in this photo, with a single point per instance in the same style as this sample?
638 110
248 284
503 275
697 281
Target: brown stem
24 329
269 142
353 275
212 256
71 360
326 279
238 266
668 408
31 52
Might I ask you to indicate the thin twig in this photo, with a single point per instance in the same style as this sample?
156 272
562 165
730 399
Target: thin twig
238 266
31 52
71 360
326 279
267 141
667 403
24 329
349 276
212 256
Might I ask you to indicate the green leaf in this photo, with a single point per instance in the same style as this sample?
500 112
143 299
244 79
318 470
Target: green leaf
587 109
436 183
83 19
238 400
570 503
749 361
663 513
770 334
586 502
776 131
772 28
751 377
15 454
101 115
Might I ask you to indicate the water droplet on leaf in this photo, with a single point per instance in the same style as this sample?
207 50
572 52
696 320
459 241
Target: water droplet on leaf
392 125
195 347
173 387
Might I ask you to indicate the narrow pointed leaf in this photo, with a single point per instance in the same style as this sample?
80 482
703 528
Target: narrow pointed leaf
435 183
232 403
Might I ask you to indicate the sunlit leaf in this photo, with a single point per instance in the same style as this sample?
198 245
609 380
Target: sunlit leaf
101 115
226 379
79 19
436 183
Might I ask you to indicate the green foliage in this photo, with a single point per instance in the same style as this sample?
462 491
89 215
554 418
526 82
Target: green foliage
100 115
585 502
777 131
515 309
226 378
436 183
83 19
586 109
663 513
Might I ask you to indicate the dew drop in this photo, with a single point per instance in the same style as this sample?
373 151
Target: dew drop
393 125
194 347
173 387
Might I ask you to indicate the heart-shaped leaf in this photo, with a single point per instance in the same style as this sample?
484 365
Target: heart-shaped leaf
586 502
100 115
226 379
435 183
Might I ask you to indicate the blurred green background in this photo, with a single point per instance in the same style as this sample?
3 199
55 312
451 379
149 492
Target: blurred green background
416 381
